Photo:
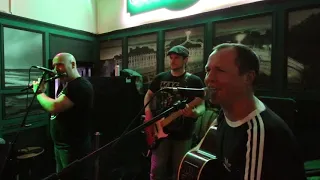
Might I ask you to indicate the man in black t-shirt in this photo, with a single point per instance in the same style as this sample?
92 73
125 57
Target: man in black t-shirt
172 148
252 141
70 115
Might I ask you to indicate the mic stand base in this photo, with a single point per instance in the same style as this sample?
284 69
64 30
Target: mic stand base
60 175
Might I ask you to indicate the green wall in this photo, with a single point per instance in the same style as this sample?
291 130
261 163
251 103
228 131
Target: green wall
305 116
278 10
54 39
85 46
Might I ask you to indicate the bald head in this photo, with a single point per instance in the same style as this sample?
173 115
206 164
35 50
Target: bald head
66 63
65 57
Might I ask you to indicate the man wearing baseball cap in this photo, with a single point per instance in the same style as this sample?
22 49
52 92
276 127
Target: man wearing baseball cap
172 148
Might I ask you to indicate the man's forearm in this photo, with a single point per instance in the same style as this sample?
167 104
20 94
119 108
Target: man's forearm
46 102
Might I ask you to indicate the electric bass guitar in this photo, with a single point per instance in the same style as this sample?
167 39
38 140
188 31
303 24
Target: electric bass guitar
202 164
155 133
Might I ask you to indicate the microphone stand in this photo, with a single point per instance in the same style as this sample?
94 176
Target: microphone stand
9 155
45 81
60 175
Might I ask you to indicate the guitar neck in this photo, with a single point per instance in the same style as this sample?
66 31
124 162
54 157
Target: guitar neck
175 115
170 118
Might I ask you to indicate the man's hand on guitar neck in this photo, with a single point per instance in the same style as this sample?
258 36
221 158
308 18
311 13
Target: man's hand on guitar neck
194 109
188 112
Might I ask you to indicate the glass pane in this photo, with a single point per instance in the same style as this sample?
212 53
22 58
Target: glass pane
253 32
110 55
191 38
22 49
15 106
142 52
303 49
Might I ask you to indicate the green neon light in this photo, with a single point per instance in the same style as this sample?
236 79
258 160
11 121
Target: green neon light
143 2
141 6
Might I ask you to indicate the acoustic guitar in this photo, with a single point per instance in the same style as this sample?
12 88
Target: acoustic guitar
202 164
155 133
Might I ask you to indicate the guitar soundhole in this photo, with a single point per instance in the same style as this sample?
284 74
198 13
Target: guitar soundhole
188 172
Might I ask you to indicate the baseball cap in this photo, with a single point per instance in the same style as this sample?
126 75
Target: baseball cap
180 50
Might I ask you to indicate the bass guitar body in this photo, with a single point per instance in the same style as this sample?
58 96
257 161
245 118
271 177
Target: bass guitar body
155 133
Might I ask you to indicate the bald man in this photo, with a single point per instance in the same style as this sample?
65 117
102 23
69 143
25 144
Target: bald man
70 114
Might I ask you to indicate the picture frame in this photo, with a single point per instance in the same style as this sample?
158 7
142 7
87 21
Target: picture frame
142 55
110 56
17 64
193 39
302 49
254 32
14 106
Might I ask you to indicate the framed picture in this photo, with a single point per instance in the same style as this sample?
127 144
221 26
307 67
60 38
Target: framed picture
16 106
22 49
191 38
255 32
142 52
110 56
303 44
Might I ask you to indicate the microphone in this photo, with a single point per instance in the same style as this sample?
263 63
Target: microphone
52 72
202 92
47 80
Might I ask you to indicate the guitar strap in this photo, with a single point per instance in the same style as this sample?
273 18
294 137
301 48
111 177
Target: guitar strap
184 83
186 78
220 145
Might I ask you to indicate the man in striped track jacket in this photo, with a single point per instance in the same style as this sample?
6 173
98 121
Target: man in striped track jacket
253 142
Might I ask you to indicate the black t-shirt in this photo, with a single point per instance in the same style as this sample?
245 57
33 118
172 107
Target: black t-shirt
71 127
260 146
182 128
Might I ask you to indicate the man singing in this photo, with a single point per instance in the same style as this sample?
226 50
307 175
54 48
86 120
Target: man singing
70 115
252 141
